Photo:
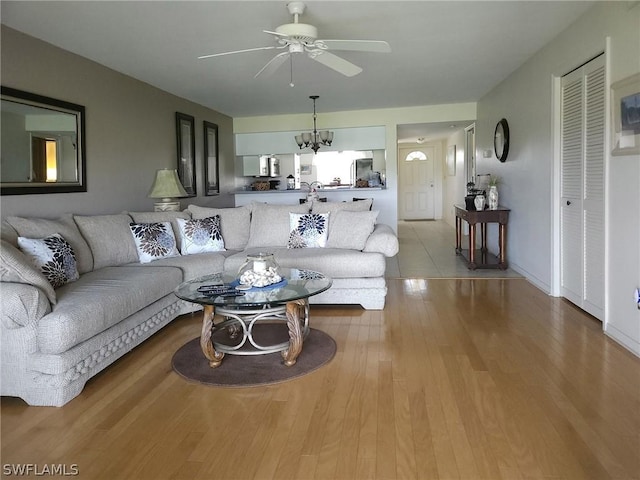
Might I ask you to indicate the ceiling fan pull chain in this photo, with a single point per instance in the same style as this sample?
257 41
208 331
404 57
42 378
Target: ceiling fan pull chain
291 84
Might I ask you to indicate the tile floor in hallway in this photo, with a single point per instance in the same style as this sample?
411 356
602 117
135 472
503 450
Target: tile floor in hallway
427 250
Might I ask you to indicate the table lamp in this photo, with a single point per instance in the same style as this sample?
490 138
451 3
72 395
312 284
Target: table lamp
167 188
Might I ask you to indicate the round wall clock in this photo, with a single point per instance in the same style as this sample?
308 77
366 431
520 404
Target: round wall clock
501 140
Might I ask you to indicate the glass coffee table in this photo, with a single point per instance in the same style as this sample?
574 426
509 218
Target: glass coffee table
286 301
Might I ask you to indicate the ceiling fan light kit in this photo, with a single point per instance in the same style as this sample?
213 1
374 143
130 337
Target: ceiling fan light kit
296 38
315 139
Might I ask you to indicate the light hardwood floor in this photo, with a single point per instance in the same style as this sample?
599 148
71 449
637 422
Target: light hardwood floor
472 379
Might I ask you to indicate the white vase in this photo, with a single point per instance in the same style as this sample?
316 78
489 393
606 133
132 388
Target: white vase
493 197
479 202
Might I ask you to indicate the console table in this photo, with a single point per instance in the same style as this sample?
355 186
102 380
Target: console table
480 258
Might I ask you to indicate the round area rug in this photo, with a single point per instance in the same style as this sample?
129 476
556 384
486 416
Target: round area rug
255 370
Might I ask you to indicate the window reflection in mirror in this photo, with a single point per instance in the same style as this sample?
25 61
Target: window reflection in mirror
343 168
42 149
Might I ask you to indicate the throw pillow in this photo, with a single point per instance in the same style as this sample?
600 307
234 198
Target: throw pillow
270 224
308 230
53 256
351 229
16 267
199 236
154 241
156 217
65 226
234 223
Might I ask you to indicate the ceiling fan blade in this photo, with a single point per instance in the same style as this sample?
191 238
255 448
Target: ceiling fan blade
238 51
273 64
277 34
338 64
378 46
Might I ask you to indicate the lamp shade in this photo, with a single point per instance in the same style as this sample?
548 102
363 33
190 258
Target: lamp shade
167 185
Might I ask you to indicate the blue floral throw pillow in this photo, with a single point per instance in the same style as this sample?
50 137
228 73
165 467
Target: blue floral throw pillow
53 256
308 230
201 235
154 241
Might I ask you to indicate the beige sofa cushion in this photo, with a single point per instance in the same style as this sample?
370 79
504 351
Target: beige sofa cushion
235 223
351 230
110 239
363 205
270 224
65 226
16 267
101 299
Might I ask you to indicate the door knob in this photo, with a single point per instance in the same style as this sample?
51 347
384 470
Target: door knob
568 202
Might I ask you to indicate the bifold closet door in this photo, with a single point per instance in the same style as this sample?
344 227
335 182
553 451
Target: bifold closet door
583 186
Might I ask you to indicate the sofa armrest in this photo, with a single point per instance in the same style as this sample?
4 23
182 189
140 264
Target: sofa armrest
22 305
382 240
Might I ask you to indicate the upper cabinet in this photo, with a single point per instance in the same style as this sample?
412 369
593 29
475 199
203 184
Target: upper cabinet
361 138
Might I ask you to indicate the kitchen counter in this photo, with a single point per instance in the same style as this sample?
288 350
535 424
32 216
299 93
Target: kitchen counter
383 198
305 191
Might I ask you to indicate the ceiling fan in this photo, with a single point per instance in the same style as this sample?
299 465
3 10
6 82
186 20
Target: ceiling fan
303 38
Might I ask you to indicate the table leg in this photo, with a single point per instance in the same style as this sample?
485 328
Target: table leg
502 245
458 235
215 358
483 237
472 246
296 336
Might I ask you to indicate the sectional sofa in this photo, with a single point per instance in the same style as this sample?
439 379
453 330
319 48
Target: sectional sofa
78 292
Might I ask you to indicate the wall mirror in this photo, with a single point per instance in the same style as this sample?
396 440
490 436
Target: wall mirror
186 141
43 145
212 185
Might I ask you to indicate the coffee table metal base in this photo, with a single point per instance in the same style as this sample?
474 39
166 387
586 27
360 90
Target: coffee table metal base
240 322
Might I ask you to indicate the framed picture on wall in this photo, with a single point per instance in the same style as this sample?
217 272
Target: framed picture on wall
186 142
211 172
451 161
625 124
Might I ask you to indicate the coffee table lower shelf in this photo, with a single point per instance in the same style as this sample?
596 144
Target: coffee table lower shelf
239 323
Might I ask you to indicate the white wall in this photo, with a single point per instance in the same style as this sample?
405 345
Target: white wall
454 187
525 99
130 130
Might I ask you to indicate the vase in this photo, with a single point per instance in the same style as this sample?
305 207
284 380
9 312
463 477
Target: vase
493 197
479 202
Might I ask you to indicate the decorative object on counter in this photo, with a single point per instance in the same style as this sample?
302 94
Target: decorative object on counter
493 192
259 270
501 140
274 184
291 182
360 183
479 202
167 188
261 185
315 139
493 197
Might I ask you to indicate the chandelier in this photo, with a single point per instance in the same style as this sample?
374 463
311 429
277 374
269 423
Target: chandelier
314 139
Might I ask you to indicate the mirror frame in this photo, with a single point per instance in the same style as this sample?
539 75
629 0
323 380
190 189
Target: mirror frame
26 188
185 127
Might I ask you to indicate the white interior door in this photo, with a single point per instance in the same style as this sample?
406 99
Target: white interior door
417 185
582 187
